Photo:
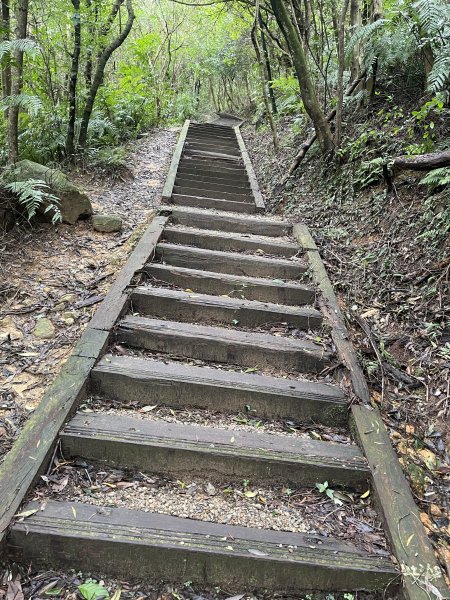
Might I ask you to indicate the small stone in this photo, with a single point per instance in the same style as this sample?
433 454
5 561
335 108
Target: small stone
44 329
68 298
68 315
107 223
60 306
435 510
68 321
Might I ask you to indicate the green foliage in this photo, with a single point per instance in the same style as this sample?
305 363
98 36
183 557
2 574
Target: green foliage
437 178
32 104
27 46
33 194
91 590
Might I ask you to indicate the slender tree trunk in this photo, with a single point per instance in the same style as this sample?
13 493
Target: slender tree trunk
17 81
262 77
355 23
377 14
268 67
99 73
340 81
6 35
70 139
307 91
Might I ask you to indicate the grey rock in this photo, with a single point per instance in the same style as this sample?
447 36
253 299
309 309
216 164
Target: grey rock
74 204
107 223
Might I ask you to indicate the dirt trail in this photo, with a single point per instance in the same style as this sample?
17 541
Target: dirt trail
62 273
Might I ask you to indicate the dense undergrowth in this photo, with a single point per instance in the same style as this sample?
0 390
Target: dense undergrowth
387 253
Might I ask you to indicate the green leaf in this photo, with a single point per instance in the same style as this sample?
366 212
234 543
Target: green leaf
91 590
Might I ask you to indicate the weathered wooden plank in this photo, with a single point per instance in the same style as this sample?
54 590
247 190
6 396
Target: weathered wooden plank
170 179
214 203
211 453
216 240
236 177
211 184
128 379
225 154
251 288
218 344
201 308
230 163
228 149
212 141
205 192
32 450
395 503
332 312
233 263
133 544
116 302
259 200
207 219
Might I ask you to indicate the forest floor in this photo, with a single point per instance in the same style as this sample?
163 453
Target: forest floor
61 274
391 270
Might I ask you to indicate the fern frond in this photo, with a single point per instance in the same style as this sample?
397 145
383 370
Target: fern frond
439 75
32 104
33 194
361 34
431 15
437 177
26 45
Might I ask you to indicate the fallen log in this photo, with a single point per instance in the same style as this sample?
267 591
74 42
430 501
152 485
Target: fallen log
423 162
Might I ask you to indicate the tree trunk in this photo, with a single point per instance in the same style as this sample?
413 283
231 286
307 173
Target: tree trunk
307 91
340 80
6 35
268 67
17 81
70 139
262 77
99 73
377 14
355 23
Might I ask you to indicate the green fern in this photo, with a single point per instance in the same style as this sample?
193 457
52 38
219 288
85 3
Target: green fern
26 45
439 75
437 177
362 34
33 195
31 104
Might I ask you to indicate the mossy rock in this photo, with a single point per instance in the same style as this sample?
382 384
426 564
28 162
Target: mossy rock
73 203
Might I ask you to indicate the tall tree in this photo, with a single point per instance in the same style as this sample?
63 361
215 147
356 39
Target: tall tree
307 91
17 80
102 61
70 139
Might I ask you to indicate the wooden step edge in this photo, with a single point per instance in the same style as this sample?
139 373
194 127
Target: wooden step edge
116 301
205 192
220 184
396 504
130 379
176 157
398 510
214 239
259 200
222 205
223 221
202 170
133 544
211 453
203 308
237 263
250 288
222 345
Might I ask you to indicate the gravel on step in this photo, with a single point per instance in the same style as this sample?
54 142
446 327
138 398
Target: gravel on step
233 422
278 507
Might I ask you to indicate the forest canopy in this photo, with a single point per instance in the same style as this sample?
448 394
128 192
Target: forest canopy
81 76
